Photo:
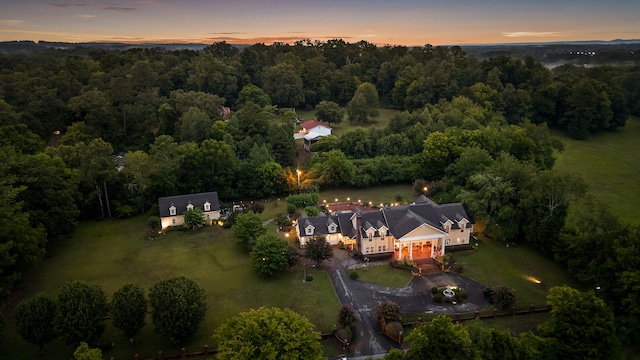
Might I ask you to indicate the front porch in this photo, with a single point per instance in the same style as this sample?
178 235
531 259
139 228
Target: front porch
417 250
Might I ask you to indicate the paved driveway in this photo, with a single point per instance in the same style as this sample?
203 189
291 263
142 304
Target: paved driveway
414 298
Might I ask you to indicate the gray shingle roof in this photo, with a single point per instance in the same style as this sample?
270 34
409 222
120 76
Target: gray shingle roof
400 220
181 202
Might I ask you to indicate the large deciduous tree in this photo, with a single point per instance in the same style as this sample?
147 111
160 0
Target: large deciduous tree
268 333
582 324
35 320
329 112
178 307
247 229
284 84
439 339
129 309
83 309
193 218
318 249
272 254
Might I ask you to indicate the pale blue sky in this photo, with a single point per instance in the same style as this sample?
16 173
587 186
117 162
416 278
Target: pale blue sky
399 22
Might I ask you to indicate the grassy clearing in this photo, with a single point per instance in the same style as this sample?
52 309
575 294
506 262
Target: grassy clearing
609 164
384 275
339 129
112 253
516 266
375 195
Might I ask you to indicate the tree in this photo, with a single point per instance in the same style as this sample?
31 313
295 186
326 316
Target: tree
283 84
83 310
347 317
84 352
35 320
129 309
252 93
439 339
178 307
318 249
271 254
194 125
504 297
193 218
582 324
268 333
329 112
247 229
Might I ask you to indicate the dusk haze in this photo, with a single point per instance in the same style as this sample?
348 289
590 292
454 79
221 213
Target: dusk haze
402 22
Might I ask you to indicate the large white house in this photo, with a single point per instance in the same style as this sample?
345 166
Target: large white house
172 208
423 229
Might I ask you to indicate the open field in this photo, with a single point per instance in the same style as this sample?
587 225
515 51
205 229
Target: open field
338 129
112 253
609 164
518 266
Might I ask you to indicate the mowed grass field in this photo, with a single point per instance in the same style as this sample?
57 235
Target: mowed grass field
339 129
111 253
609 162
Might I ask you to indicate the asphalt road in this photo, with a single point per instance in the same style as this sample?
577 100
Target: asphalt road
414 298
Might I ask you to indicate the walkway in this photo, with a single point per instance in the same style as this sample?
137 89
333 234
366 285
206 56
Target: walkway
413 299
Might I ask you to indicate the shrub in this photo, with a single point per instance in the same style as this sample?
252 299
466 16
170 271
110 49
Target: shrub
434 290
389 311
347 316
437 298
340 245
344 334
357 255
488 294
257 207
458 268
308 278
291 209
393 329
504 297
154 222
353 274
461 294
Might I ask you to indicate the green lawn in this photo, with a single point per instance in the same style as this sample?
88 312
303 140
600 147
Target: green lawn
517 266
609 164
377 194
338 129
384 275
111 253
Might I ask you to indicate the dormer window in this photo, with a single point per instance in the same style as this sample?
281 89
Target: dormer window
172 210
332 228
207 206
308 230
190 207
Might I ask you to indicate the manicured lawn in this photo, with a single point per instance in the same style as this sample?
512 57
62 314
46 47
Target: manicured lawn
112 253
377 195
384 275
517 266
609 164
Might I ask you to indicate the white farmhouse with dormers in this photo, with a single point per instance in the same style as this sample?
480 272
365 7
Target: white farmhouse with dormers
172 208
423 229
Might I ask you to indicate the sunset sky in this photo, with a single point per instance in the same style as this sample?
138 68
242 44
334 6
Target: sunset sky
399 22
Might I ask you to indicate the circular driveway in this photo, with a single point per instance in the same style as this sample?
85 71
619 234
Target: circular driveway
413 299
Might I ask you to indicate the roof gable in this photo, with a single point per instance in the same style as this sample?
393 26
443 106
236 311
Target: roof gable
182 201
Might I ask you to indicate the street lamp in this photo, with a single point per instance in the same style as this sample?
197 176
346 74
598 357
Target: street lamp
424 189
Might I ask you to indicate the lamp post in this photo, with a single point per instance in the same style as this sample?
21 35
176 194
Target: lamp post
298 172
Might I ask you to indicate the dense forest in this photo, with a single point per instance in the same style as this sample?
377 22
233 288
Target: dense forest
90 133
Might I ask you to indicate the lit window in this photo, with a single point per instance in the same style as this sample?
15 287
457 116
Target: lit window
370 237
173 221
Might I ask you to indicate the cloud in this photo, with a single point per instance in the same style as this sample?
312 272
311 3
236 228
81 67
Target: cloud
518 34
11 22
120 8
85 16
66 5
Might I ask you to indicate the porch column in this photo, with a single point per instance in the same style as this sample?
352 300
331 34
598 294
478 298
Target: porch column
443 245
399 250
432 248
411 250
